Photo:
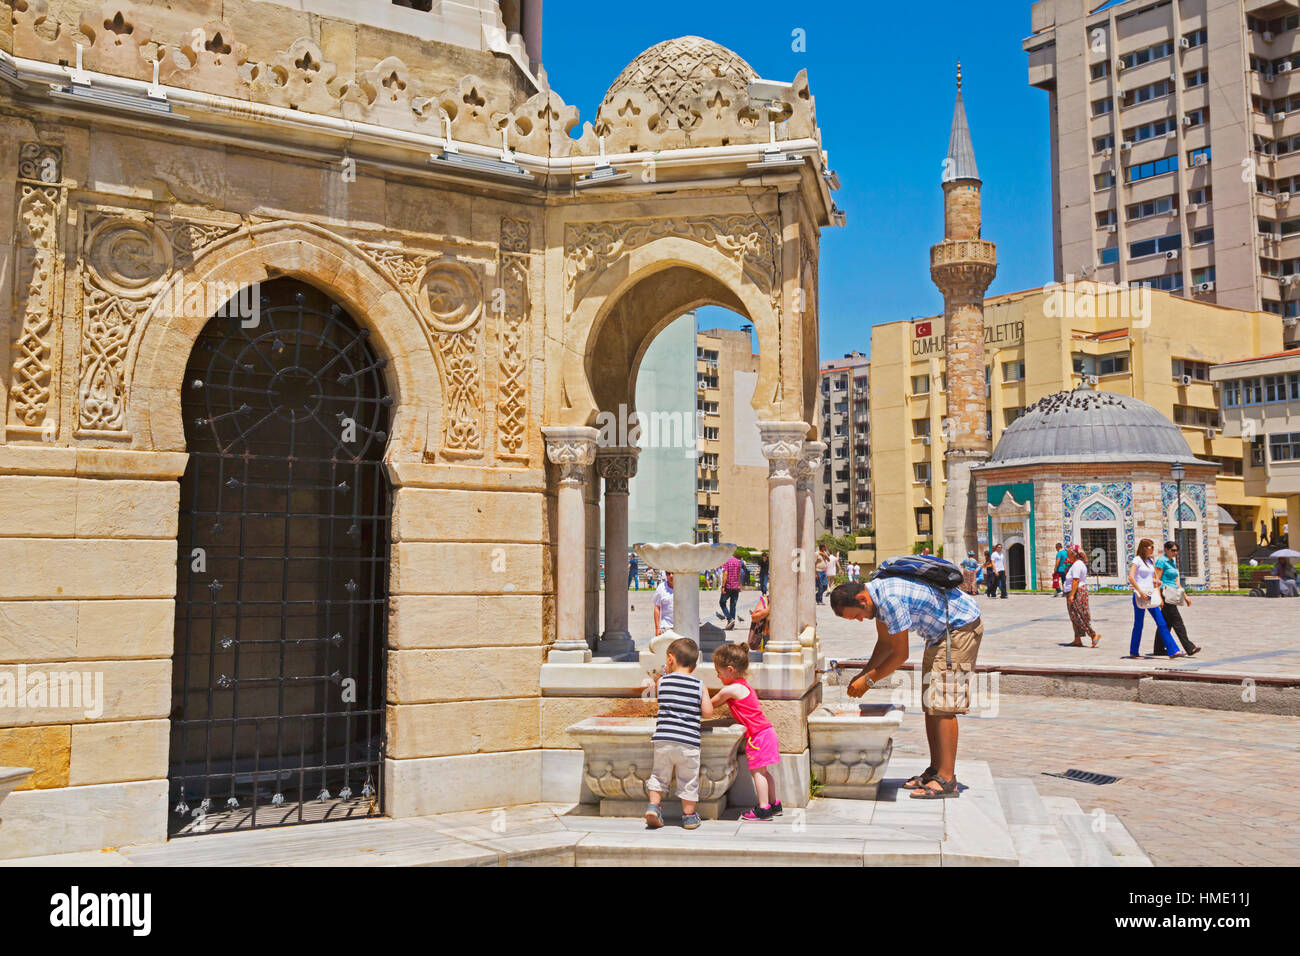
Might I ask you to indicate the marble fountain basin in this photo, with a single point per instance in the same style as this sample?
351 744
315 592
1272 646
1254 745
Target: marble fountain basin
618 757
684 558
11 778
850 746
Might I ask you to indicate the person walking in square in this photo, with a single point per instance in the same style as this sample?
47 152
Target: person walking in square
1172 595
1075 582
663 605
633 572
999 571
763 564
990 576
731 572
900 606
762 748
969 569
820 563
1146 597
676 740
1060 569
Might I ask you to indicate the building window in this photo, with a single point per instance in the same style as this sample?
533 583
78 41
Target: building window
1013 371
1203 275
711 434
1198 157
1009 415
924 518
1155 52
1151 247
1102 107
1257 453
1102 547
1196 78
1202 236
1197 371
1136 134
1108 256
1145 210
921 472
1284 447
1106 218
1144 94
1195 417
1115 363
1195 38
1104 180
1228 466
1169 283
920 428
1143 171
920 385
1101 70
1197 116
1103 143
1189 551
1200 197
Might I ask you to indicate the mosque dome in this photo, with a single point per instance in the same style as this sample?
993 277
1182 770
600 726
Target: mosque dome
1087 426
674 71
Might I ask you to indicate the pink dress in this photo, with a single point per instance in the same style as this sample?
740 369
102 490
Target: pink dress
762 748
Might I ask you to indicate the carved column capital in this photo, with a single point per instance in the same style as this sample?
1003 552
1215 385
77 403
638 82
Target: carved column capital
814 453
782 447
617 465
573 449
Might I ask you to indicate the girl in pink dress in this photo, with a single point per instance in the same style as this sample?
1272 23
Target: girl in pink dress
762 749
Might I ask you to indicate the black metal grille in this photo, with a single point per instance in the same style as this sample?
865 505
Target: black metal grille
281 608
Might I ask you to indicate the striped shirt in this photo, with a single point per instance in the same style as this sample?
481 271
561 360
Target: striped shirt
680 696
906 605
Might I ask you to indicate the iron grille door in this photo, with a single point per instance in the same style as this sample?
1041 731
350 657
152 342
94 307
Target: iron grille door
278 682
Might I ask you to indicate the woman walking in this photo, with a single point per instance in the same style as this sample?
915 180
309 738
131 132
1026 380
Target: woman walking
1075 582
1146 597
990 576
1172 595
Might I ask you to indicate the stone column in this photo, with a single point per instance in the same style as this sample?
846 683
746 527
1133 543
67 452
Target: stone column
814 453
782 447
573 449
617 465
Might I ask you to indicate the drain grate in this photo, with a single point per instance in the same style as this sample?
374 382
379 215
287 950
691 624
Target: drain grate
1084 776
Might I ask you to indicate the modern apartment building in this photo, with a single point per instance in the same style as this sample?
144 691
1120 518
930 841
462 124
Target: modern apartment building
1261 406
1151 345
731 479
1175 145
845 480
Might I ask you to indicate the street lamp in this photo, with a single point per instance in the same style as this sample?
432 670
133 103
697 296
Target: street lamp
1179 472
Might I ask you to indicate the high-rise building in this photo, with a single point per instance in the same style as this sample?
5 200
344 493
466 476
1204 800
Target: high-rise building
1175 145
845 480
732 474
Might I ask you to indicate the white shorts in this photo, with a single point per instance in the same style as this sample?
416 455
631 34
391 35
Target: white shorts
672 758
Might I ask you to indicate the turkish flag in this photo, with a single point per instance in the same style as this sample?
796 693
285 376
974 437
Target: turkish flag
923 330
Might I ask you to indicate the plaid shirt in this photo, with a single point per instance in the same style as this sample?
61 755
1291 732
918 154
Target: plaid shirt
906 605
732 568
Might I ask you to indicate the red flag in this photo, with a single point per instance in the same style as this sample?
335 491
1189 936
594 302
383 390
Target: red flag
923 330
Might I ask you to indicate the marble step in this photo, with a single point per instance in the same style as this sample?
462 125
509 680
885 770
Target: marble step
1095 838
1037 841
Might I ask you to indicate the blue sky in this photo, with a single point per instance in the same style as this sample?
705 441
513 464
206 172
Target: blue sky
883 75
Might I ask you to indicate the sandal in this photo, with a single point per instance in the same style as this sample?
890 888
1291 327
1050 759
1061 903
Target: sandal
1096 639
947 788
921 779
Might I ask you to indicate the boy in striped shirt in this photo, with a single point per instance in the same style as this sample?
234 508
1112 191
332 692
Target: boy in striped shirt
682 704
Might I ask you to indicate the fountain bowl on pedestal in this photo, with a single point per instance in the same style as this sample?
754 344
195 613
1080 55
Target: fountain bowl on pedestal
687 561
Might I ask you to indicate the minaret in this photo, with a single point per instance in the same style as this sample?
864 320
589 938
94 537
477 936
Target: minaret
962 266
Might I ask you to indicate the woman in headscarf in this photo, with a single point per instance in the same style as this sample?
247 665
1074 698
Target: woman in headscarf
1075 583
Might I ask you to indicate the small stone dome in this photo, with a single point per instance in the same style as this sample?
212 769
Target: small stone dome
1086 426
674 71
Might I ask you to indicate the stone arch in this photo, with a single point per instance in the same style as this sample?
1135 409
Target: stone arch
1195 520
632 299
313 255
1108 514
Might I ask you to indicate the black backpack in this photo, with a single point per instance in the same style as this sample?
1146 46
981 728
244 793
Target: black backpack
936 572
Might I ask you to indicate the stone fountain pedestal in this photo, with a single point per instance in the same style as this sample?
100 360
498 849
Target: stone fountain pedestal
850 746
618 756
687 562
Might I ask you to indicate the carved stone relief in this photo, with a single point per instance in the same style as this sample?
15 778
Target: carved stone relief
513 342
39 289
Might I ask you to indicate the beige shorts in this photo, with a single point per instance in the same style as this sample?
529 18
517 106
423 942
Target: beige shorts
678 759
946 692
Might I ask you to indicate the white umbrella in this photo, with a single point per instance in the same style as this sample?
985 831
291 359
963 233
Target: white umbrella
1285 553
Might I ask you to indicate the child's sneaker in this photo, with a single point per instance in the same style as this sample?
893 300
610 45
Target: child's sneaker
654 817
776 808
690 821
758 814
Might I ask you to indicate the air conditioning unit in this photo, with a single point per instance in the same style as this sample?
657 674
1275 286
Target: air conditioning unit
1284 67
1112 227
1171 254
1185 43
925 439
1283 198
1126 145
1187 121
1172 134
1119 65
1205 287
1211 434
926 482
1108 152
1268 37
1091 379
1278 117
1187 380
1192 207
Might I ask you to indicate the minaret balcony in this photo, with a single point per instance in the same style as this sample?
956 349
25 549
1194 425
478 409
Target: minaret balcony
963 252
963 267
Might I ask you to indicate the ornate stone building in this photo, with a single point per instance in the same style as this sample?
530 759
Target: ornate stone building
962 266
308 322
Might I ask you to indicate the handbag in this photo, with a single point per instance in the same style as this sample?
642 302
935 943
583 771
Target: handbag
1146 602
1173 594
